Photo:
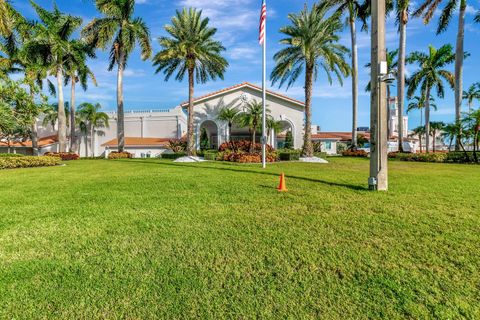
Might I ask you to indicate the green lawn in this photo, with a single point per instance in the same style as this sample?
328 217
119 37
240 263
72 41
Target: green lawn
151 238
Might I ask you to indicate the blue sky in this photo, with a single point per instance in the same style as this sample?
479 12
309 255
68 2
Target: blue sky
237 24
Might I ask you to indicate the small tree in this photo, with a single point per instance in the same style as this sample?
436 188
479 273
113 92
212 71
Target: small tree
288 140
204 143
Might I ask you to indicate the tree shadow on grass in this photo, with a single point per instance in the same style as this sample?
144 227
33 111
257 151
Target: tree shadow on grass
235 168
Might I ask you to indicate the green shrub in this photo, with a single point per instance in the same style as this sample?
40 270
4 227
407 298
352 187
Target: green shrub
320 154
461 157
355 153
28 162
289 155
288 140
119 155
174 155
210 155
419 157
10 155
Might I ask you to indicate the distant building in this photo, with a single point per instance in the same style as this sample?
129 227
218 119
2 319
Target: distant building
393 119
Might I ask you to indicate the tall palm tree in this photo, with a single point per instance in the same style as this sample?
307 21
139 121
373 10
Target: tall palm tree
312 44
94 118
427 10
472 94
451 132
354 10
251 119
435 128
417 103
77 71
190 49
419 132
120 30
50 45
472 125
230 116
403 14
430 76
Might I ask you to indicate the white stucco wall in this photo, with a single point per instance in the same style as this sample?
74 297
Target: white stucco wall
280 110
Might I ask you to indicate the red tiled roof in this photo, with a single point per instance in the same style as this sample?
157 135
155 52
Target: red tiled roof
42 142
343 136
241 85
138 142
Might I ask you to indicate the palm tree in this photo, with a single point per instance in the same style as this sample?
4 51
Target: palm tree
312 44
190 49
451 132
50 45
435 128
354 10
50 113
472 123
419 132
251 118
430 76
473 93
5 29
403 14
427 9
230 116
77 71
120 29
417 103
93 118
273 126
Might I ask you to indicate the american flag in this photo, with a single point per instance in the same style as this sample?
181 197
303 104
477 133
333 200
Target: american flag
263 19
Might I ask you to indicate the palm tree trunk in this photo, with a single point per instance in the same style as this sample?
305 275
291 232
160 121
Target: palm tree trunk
401 76
353 35
86 144
420 141
459 63
307 136
190 137
229 131
92 140
62 120
427 122
73 136
434 138
34 134
120 115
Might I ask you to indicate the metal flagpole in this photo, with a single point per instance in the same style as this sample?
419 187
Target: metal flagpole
264 93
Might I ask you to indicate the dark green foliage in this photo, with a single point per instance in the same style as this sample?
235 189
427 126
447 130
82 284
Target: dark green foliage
288 140
289 155
204 142
320 154
174 155
210 155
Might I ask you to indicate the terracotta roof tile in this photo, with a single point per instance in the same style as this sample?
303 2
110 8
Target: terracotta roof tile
136 142
42 142
343 136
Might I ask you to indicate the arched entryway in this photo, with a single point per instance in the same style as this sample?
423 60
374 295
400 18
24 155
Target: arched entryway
211 130
286 128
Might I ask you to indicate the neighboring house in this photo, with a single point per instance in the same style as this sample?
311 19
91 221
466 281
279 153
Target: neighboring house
289 111
328 140
45 144
140 147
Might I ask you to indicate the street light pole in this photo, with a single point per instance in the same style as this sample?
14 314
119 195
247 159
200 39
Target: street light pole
378 105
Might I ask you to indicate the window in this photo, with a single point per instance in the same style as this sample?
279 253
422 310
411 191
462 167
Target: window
328 145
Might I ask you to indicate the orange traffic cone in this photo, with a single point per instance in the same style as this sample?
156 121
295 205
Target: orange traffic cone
282 187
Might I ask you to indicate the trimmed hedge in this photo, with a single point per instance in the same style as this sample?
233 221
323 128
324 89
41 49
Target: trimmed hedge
119 155
419 157
28 162
289 155
10 155
65 156
355 153
246 157
210 155
174 155
320 154
461 157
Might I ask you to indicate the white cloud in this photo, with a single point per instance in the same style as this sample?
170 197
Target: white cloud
242 52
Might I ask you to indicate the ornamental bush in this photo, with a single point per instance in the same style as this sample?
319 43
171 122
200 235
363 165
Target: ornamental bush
174 155
289 154
246 157
120 155
65 156
210 155
355 153
242 145
28 162
419 157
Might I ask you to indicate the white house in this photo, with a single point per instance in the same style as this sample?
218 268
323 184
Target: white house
289 111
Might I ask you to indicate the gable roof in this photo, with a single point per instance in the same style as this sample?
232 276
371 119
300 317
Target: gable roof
342 136
245 85
42 142
139 142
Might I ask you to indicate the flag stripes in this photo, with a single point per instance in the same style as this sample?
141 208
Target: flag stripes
263 18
